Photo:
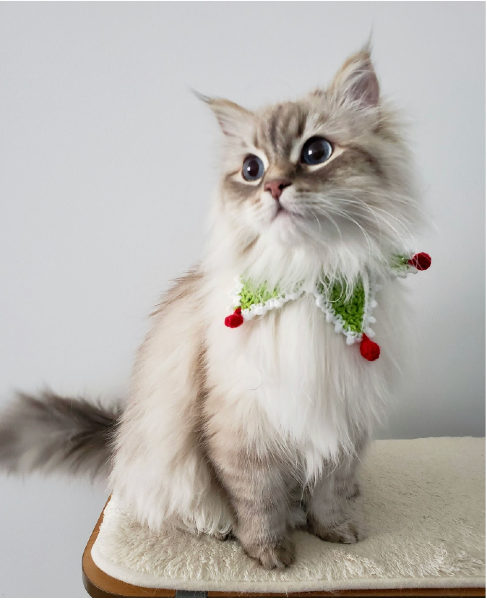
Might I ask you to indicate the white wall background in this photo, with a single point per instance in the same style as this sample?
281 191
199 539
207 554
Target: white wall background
106 165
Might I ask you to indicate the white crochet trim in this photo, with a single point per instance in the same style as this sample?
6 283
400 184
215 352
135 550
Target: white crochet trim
235 293
370 304
263 307
402 273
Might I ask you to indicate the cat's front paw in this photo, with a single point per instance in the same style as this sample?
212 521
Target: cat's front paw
346 532
275 556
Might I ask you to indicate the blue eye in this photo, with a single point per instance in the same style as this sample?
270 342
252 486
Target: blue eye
316 150
253 168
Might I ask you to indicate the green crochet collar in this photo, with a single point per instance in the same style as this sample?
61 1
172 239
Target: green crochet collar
350 311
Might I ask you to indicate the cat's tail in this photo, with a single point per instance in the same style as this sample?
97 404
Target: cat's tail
51 433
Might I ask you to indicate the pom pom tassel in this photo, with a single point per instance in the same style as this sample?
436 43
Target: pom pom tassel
234 320
421 261
369 349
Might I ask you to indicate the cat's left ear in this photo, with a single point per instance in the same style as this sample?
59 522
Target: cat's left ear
356 82
234 120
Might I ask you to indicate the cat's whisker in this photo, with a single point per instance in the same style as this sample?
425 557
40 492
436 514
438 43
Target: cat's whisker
318 206
366 235
385 221
408 202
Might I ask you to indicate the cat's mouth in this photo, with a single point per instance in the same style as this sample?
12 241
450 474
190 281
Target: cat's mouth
283 212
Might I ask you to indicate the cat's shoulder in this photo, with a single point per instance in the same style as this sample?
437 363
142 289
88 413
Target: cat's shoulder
186 287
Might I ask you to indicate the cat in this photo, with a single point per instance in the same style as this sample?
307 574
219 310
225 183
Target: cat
258 428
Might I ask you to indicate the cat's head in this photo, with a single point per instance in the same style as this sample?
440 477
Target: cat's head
328 171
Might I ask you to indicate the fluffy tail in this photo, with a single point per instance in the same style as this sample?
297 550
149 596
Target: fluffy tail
51 433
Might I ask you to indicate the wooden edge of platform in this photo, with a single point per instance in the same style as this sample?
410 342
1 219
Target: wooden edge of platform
100 585
364 593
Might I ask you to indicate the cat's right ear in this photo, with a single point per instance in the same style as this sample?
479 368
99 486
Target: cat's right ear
234 120
356 82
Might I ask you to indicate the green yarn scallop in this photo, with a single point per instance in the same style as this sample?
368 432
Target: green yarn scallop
251 295
351 309
400 262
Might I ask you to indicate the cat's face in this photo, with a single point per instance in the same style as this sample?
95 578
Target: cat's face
329 168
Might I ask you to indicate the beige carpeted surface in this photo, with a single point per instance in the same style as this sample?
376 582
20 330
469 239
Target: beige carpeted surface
423 501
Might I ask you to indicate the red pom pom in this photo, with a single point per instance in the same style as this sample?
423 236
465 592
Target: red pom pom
234 320
369 349
421 261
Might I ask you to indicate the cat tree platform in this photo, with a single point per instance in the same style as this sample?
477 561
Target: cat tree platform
423 501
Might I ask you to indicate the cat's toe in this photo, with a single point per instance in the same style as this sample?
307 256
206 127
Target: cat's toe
347 532
278 556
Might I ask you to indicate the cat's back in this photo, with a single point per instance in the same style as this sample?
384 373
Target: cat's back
157 440
166 377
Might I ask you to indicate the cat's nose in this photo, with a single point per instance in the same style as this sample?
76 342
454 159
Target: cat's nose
276 186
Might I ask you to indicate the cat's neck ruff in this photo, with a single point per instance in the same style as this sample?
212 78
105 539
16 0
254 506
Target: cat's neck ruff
266 259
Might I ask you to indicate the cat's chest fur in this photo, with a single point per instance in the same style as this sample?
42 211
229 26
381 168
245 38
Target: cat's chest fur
305 384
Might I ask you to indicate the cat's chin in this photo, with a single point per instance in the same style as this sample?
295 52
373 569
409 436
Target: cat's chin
292 231
284 229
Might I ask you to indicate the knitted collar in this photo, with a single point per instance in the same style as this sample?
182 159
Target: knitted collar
350 310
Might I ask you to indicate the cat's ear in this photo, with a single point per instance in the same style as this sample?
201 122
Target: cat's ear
356 82
234 120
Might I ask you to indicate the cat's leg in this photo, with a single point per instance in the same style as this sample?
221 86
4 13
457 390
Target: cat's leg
330 514
349 480
258 486
259 498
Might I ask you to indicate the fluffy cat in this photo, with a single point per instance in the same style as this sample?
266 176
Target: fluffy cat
257 430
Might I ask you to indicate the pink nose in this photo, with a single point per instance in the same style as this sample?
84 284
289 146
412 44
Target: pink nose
276 186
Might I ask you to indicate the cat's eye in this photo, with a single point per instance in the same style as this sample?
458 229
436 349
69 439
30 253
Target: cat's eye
316 151
253 168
